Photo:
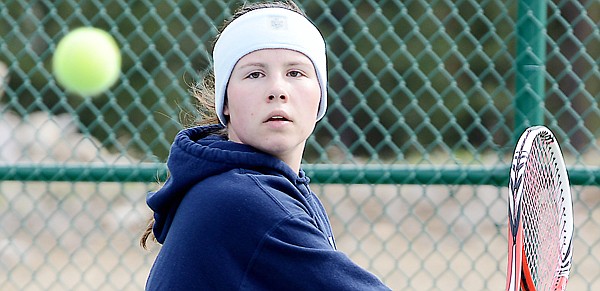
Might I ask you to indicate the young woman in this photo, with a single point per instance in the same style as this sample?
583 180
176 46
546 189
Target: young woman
236 212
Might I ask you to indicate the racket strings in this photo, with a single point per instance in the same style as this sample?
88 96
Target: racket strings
542 215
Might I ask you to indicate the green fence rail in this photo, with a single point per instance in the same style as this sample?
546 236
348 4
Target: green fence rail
426 101
323 174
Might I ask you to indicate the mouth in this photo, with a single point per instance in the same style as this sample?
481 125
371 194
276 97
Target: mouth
278 117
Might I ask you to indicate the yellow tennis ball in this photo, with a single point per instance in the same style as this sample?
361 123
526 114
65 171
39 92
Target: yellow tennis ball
87 61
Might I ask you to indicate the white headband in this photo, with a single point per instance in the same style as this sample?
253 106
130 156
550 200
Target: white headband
267 28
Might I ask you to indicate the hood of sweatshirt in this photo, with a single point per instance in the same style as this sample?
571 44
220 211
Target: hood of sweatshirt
198 153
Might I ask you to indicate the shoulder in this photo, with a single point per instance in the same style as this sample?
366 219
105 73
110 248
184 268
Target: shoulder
230 208
242 194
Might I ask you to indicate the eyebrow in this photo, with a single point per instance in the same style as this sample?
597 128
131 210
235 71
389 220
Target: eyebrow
289 64
260 65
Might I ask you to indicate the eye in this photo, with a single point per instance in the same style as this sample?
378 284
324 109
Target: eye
295 74
254 75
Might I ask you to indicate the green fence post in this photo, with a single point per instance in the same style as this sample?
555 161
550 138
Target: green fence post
530 64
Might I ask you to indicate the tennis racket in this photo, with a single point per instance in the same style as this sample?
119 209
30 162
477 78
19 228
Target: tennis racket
540 215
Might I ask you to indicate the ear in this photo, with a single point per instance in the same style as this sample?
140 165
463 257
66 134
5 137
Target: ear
226 110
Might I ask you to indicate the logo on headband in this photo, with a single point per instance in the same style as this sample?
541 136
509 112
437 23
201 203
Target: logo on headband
278 22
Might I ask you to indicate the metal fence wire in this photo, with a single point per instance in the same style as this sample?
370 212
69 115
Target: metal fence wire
426 100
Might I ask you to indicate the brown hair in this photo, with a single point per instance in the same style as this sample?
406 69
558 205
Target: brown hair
204 91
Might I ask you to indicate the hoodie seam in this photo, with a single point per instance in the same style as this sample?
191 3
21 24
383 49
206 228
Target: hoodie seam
268 193
260 245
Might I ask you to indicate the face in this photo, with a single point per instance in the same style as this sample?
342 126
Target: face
272 102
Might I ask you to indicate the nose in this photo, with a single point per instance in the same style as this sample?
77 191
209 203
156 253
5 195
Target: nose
277 91
281 97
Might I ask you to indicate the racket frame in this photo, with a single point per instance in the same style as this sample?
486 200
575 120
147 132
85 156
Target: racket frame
518 272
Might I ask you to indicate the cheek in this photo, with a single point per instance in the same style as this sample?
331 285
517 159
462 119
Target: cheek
315 101
232 100
241 113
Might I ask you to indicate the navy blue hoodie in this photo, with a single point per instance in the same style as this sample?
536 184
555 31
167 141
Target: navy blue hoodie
232 218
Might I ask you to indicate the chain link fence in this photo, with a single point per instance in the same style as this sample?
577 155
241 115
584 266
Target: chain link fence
426 100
